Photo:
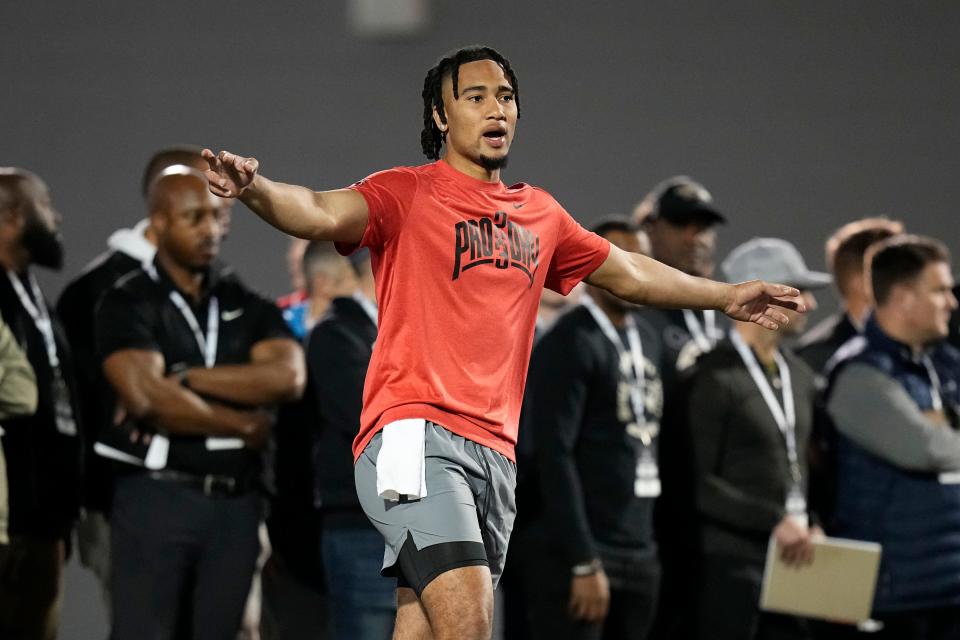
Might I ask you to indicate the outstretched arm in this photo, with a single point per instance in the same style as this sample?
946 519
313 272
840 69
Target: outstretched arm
643 280
339 215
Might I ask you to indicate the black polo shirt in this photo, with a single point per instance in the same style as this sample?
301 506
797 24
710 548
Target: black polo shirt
139 313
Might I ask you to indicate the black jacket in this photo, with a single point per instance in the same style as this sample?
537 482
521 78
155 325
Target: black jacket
338 352
586 460
818 345
742 470
76 308
44 467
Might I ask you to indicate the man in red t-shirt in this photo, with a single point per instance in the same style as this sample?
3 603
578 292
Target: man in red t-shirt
460 261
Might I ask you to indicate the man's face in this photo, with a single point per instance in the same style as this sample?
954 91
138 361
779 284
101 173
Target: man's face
482 120
688 247
927 302
631 243
41 229
191 224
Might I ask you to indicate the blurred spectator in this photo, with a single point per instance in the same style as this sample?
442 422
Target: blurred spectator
751 414
894 405
680 221
294 305
510 604
43 450
319 274
184 525
18 397
589 563
297 572
363 604
127 249
845 251
552 304
681 227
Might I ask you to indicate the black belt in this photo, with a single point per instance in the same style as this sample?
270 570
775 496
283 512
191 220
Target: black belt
209 485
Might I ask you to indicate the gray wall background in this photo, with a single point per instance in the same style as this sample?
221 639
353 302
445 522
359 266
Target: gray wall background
798 116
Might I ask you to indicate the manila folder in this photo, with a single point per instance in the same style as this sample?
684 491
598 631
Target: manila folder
837 586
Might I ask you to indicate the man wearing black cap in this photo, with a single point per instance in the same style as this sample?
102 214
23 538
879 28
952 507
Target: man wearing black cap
679 218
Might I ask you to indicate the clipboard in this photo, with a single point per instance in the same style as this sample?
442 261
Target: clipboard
837 586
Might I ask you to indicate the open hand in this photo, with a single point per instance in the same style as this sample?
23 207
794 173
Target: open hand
229 174
763 303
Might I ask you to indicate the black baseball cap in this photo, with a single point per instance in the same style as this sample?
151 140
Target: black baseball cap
682 200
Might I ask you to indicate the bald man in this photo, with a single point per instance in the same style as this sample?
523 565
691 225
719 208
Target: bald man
195 358
126 250
43 450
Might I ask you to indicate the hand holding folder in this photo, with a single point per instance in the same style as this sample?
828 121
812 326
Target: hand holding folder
838 585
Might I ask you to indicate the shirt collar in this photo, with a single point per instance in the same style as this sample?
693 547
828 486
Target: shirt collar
211 279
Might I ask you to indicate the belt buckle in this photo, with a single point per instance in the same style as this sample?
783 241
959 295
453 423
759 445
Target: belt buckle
218 484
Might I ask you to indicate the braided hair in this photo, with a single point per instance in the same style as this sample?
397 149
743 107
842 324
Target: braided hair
431 138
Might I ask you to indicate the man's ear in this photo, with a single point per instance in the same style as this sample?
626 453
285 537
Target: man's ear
158 221
440 121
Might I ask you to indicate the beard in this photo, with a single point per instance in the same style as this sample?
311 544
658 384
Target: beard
492 164
45 245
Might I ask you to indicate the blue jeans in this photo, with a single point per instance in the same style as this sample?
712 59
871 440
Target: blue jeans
362 602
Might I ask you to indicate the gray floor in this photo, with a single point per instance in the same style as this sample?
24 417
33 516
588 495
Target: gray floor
84 616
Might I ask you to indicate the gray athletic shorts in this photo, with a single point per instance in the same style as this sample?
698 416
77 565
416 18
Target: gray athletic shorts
465 519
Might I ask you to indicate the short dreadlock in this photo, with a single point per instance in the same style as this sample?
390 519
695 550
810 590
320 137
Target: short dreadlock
431 138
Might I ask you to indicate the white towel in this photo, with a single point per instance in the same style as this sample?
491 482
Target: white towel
400 466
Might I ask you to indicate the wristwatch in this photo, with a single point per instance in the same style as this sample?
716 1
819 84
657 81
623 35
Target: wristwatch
587 568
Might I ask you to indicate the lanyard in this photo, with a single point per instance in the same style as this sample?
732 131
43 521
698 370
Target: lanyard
39 313
367 305
704 336
207 343
635 352
786 416
936 398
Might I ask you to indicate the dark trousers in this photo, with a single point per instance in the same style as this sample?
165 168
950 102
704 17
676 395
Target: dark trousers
31 572
547 594
728 606
928 624
182 562
363 603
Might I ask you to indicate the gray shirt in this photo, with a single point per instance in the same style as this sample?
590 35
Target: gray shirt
875 412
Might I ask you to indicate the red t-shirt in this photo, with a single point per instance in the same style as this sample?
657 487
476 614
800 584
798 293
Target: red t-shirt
460 265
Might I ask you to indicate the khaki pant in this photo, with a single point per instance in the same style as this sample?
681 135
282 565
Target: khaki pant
31 577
